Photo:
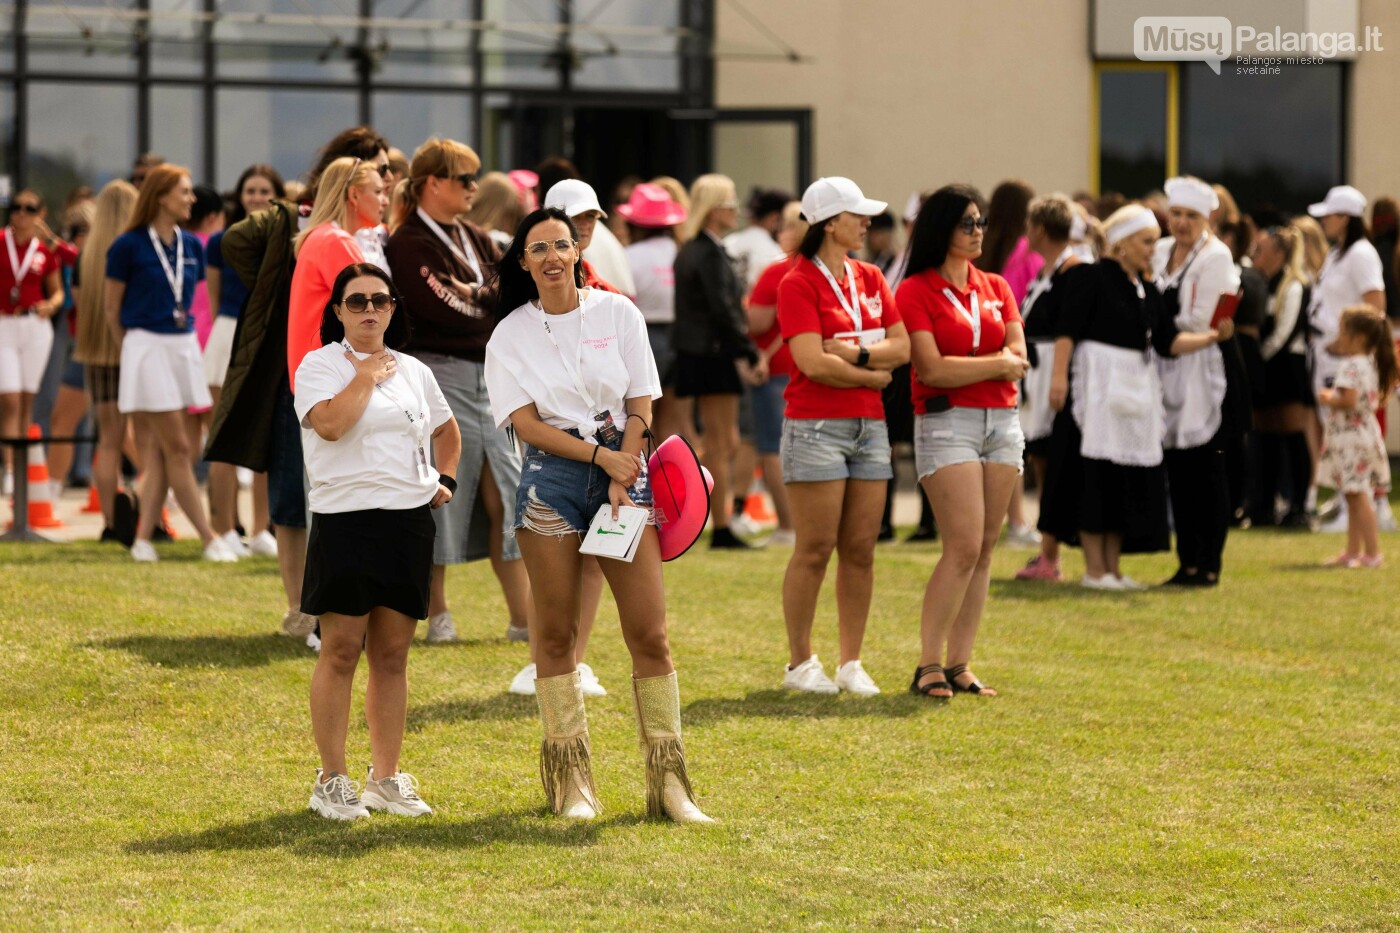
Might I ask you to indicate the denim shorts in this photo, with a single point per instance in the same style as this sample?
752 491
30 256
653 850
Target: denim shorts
818 450
768 405
571 489
967 435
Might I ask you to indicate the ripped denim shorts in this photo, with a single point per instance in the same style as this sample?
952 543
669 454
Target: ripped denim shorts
558 496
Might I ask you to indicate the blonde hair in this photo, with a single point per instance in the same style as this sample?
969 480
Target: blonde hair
1290 241
1315 245
1054 214
1126 212
436 158
1228 212
675 189
497 205
1093 230
96 344
706 194
333 193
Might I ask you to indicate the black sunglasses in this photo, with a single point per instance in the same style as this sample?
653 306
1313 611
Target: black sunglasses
969 224
27 208
466 178
359 304
384 170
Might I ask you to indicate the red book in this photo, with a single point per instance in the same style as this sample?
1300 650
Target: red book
1225 308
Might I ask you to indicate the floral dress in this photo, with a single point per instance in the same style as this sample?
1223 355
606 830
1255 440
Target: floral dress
1354 458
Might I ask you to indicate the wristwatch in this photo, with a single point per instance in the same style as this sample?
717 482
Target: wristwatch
862 356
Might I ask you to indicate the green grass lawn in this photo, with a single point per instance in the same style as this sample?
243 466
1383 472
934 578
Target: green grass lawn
1217 760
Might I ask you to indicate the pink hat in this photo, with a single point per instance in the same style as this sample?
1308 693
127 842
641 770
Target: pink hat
527 181
651 206
680 489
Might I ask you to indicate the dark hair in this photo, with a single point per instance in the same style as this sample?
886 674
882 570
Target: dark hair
1006 224
511 283
358 142
764 202
812 240
554 170
1241 233
884 221
332 330
207 203
257 170
933 230
1356 231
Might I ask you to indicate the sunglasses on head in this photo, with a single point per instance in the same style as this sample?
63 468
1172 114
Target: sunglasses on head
360 304
467 179
27 208
540 248
970 224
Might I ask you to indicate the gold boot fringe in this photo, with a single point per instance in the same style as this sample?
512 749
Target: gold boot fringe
665 756
658 704
564 762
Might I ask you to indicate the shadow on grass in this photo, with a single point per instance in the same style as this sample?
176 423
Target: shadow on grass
231 651
1043 591
305 832
499 707
788 704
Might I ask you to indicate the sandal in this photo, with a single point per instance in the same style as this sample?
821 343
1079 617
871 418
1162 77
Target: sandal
1342 560
976 686
929 688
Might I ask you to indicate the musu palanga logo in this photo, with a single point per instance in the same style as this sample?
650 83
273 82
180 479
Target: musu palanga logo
1213 39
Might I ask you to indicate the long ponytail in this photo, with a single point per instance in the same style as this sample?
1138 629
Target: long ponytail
1373 327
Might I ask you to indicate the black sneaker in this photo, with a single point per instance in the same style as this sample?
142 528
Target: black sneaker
109 535
724 539
124 519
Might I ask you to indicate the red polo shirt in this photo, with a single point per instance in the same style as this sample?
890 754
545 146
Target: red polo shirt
808 304
765 295
31 288
926 307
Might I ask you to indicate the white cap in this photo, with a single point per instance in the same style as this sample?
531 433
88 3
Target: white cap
1192 194
827 197
1343 199
573 197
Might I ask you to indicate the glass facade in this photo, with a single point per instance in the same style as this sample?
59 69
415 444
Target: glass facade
1134 112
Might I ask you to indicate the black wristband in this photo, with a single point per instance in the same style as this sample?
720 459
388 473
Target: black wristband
863 356
448 482
593 460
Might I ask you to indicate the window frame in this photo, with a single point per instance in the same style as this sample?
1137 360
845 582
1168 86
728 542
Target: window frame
1172 116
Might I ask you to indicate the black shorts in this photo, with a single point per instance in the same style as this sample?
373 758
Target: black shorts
356 561
706 375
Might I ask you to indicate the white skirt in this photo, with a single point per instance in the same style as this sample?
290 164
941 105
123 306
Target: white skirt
1037 417
25 342
161 372
219 350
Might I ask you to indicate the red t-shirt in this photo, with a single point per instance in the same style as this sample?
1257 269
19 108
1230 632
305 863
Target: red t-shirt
927 308
807 304
31 288
765 295
324 254
591 279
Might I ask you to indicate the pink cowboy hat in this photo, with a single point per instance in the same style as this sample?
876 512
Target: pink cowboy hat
680 490
651 206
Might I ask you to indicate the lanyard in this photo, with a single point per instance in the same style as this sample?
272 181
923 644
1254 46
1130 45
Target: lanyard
974 318
175 277
575 371
1042 282
469 257
1174 279
853 306
20 269
418 427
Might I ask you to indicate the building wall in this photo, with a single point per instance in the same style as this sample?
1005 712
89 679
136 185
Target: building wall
1375 100
909 95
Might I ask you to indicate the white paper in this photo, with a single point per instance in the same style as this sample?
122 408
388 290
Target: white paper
861 338
615 539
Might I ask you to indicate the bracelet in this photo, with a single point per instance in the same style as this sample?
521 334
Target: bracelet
448 482
593 460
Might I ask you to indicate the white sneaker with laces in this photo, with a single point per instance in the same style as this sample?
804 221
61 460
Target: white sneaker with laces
235 544
337 798
144 551
1022 536
218 552
263 544
588 682
397 794
524 683
1107 583
809 677
1128 584
783 537
441 629
852 678
745 527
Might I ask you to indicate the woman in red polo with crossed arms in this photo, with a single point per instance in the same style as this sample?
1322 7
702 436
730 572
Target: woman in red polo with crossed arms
969 352
840 321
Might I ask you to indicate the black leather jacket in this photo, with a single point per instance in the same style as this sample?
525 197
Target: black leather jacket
710 319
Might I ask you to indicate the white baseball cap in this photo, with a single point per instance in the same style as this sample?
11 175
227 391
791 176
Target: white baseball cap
827 197
573 197
1343 199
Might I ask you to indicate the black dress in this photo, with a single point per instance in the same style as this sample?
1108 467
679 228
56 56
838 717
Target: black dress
1040 318
1100 303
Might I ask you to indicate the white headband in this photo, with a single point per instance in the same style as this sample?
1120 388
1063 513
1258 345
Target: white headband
1078 228
1140 220
1192 194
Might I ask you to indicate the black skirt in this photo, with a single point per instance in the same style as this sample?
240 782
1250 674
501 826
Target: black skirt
705 375
1286 380
356 561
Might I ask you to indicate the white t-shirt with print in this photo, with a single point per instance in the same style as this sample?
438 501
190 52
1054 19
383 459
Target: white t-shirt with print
375 464
653 264
606 334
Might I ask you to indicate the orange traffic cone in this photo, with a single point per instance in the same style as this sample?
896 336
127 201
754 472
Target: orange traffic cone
94 504
756 505
40 490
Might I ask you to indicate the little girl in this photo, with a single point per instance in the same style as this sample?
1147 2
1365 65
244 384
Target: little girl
1354 458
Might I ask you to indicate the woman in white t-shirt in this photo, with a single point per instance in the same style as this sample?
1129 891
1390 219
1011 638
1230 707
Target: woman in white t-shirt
570 370
367 418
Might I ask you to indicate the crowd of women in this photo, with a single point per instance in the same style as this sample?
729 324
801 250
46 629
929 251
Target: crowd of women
414 389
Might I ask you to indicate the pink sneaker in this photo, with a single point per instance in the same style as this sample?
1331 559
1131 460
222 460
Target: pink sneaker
1369 562
1038 568
1343 560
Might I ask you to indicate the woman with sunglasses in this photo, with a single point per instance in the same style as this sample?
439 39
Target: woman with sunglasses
440 263
969 355
31 292
368 418
570 369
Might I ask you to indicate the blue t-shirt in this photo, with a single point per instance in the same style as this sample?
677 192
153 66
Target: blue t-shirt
148 303
232 291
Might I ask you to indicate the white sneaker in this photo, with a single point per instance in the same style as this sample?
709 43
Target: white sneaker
144 551
517 632
218 552
441 629
1385 517
235 544
1128 584
588 682
263 544
297 624
397 793
7 487
852 678
1022 536
745 527
524 683
809 677
337 798
783 537
1333 519
1108 583
313 641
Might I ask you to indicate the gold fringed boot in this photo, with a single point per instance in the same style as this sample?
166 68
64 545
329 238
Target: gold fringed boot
565 768
658 702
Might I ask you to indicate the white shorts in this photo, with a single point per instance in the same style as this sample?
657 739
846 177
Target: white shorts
219 350
25 342
161 372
